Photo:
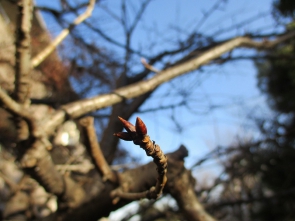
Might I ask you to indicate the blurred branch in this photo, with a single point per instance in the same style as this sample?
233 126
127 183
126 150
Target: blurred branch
57 13
96 153
20 111
137 179
182 190
208 13
37 162
81 107
162 107
148 66
23 51
12 185
12 106
283 194
181 186
22 62
139 15
241 24
50 48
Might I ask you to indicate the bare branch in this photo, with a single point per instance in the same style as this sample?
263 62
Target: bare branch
148 66
81 107
23 62
23 51
57 13
208 13
20 111
13 106
139 15
50 48
182 190
282 194
162 107
96 153
138 134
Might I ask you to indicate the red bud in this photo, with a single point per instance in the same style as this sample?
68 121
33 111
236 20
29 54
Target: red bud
140 127
127 125
123 135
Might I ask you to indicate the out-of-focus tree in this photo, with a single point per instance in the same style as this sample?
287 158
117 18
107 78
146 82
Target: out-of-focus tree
260 171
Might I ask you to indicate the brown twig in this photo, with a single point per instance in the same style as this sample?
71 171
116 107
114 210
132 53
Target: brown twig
138 134
148 66
95 150
64 33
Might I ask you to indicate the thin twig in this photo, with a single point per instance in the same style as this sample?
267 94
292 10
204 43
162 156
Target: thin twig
148 66
96 153
47 51
138 134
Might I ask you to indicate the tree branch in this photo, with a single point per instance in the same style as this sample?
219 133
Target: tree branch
81 107
182 190
50 48
23 51
148 66
22 62
138 134
12 106
181 186
37 162
96 153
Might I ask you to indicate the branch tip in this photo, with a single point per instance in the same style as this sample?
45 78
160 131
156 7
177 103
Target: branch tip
123 136
138 134
140 126
129 127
